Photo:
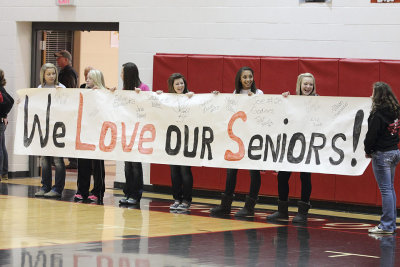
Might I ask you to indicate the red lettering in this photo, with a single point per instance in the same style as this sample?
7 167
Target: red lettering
229 155
108 125
150 128
107 258
78 144
128 148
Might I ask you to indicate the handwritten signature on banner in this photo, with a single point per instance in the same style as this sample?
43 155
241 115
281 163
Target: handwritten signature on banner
267 132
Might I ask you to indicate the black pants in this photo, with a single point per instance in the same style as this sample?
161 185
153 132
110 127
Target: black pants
182 182
255 182
133 187
283 185
85 169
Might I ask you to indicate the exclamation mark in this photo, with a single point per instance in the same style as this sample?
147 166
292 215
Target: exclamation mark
356 133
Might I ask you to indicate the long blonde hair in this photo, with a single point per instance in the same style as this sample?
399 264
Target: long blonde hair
43 69
98 78
299 81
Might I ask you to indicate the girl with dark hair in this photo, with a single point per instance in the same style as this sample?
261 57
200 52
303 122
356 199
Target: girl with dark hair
305 86
133 187
6 103
381 144
181 176
244 84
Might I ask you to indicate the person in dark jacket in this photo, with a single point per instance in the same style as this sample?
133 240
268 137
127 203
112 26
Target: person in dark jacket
380 144
69 78
6 103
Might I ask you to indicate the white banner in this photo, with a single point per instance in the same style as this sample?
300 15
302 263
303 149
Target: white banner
266 132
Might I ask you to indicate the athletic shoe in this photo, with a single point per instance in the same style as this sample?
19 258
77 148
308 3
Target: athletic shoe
378 230
40 193
78 197
4 176
93 198
175 205
52 194
124 200
132 201
184 206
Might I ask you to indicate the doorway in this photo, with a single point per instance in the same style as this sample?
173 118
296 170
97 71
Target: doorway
87 45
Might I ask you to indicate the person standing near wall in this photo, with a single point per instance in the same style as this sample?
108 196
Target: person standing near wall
244 84
181 176
49 79
6 103
95 80
381 144
305 86
69 78
85 73
133 187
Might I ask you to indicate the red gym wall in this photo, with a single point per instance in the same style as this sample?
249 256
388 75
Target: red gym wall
274 75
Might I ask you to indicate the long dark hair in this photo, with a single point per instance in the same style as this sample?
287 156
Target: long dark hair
238 83
383 97
171 80
131 76
2 79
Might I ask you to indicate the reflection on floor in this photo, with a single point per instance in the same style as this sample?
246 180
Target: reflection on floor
43 232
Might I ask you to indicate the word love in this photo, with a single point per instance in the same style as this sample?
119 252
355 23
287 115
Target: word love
59 131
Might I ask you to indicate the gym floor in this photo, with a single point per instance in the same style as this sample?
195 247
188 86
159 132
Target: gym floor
50 232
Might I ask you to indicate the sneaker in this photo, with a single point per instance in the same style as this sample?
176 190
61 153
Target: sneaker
4 176
184 206
378 230
124 200
175 205
93 198
78 197
132 201
40 193
52 194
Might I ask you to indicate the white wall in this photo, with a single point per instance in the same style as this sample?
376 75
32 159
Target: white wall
345 28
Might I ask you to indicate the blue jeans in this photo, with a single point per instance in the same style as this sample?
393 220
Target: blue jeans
3 150
46 174
384 166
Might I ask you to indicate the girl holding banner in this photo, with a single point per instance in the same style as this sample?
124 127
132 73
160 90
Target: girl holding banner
244 84
305 86
95 80
133 187
49 79
381 144
181 176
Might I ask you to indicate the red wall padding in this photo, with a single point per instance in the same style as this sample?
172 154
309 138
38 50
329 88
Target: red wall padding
274 75
279 75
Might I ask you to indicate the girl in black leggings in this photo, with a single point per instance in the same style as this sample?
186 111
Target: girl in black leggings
244 84
305 86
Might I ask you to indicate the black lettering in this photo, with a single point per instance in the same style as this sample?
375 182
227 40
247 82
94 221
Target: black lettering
296 137
186 152
274 152
58 135
168 149
28 140
257 147
284 136
315 148
206 142
337 150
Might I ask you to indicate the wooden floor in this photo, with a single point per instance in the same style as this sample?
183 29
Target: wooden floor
45 232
